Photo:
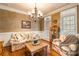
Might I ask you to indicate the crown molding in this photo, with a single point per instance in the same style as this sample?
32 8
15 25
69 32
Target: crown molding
48 14
12 9
62 8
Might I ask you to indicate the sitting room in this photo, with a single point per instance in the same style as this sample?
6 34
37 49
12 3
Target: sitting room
39 29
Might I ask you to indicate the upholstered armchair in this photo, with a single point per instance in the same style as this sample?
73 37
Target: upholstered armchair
70 45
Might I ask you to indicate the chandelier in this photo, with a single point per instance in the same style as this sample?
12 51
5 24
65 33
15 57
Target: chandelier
35 14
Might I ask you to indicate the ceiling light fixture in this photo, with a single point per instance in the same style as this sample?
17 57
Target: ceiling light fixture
35 14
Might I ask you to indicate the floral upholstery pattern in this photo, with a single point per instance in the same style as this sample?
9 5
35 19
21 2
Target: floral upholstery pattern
67 45
19 39
70 45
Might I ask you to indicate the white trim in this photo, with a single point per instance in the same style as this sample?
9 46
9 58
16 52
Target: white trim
62 8
46 28
76 19
22 12
11 9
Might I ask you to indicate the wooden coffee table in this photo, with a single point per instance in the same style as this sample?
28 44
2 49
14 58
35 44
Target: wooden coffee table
33 49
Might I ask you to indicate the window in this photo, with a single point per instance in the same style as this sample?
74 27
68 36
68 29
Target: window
47 23
68 23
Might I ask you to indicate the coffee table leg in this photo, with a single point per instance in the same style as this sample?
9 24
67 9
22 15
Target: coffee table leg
32 54
45 51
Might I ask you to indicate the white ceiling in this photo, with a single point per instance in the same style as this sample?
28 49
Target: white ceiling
43 7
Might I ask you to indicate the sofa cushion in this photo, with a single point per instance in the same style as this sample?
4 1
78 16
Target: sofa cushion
28 36
22 35
65 48
73 47
19 37
14 38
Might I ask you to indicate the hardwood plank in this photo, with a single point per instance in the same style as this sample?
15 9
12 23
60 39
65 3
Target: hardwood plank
54 53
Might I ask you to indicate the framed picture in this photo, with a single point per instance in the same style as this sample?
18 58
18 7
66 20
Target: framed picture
26 24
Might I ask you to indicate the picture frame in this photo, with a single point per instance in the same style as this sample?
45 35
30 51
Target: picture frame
26 24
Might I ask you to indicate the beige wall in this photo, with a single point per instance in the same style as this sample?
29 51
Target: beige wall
41 24
11 21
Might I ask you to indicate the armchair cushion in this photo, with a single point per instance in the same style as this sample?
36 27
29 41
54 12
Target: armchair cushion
65 48
73 47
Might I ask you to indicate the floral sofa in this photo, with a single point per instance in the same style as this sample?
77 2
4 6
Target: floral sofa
18 39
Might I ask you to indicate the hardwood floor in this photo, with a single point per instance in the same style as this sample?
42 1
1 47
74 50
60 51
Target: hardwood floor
7 52
23 52
54 53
